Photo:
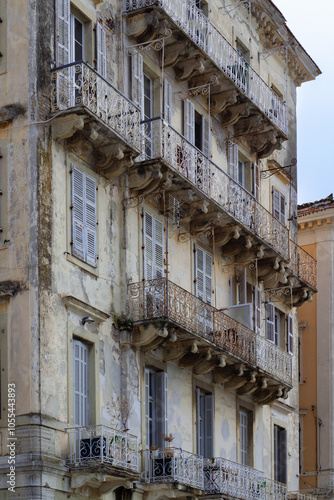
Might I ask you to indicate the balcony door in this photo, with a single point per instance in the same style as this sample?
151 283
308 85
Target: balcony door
155 407
154 266
205 413
203 290
80 384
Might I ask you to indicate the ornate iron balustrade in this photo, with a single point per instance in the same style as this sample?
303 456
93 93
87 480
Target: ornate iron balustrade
78 84
174 464
99 444
275 490
297 495
162 299
197 26
222 476
303 265
162 141
272 359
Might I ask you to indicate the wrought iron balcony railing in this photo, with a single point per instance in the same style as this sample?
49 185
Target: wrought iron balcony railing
174 464
161 299
77 84
275 490
162 141
203 33
99 444
223 477
303 265
297 495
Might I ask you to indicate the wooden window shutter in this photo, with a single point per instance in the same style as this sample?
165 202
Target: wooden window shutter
167 102
208 424
199 272
270 321
257 309
90 219
290 334
63 32
138 81
78 214
189 121
208 278
101 49
256 179
80 383
232 160
206 137
148 245
241 278
200 421
279 206
161 406
158 270
147 407
243 431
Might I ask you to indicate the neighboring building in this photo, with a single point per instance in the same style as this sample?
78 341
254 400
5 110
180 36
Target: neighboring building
316 334
149 274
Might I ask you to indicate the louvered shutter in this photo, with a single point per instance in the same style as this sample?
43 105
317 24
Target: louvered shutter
199 273
158 269
101 48
90 222
290 334
138 80
257 310
270 321
282 209
161 406
206 137
243 431
200 421
189 121
63 32
208 421
80 383
167 102
147 408
242 286
208 278
148 245
78 213
256 188
232 160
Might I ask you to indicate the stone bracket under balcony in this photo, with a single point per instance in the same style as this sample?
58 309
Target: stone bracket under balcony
92 483
110 155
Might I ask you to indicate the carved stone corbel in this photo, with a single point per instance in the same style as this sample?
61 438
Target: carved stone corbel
233 113
223 237
219 102
204 221
250 124
193 209
186 69
140 177
143 336
65 126
260 142
138 25
223 375
176 52
113 160
271 147
179 349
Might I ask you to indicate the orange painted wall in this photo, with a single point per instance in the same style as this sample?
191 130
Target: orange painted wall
308 386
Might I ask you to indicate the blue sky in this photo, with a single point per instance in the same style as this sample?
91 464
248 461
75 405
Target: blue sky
312 24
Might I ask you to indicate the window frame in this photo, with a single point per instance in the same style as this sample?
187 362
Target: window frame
280 453
207 449
151 374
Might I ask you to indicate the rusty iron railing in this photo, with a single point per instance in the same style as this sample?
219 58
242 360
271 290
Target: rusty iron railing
303 265
161 299
163 142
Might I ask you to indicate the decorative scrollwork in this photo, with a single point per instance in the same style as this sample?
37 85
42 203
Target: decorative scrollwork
133 202
278 292
265 174
156 45
193 92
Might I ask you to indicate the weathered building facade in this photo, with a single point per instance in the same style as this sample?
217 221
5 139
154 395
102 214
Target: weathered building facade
316 331
150 276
